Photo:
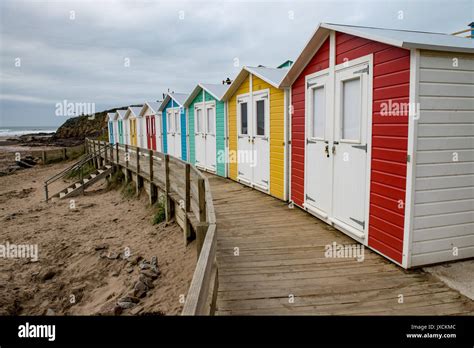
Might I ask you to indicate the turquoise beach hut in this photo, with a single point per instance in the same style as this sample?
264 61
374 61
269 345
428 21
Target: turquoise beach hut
207 127
174 125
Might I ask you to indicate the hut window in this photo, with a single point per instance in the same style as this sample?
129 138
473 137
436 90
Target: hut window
210 121
243 119
177 123
170 122
319 113
351 109
260 117
198 121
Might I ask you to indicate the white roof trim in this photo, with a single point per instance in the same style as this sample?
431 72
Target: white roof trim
244 72
200 86
167 99
399 38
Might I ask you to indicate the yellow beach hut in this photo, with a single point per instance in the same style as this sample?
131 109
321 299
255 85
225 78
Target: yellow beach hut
258 130
132 115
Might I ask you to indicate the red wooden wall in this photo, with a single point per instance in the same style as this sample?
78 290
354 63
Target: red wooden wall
391 79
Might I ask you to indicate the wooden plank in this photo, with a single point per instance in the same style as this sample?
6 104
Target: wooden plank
198 294
284 253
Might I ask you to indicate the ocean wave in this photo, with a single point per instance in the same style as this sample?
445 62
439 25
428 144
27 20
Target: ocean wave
6 132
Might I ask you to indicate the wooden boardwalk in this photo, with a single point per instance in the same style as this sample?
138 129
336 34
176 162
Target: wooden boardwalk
281 267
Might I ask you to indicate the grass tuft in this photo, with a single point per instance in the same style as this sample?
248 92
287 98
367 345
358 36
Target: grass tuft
129 190
159 213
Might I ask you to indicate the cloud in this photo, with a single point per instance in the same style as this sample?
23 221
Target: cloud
81 55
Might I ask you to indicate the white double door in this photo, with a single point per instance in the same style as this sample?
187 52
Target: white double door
336 160
173 132
253 143
205 135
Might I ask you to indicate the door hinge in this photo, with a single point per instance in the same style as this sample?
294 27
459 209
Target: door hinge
311 141
364 70
361 147
308 198
265 181
362 223
408 158
240 173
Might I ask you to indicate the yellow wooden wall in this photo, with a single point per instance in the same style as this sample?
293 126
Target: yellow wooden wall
277 133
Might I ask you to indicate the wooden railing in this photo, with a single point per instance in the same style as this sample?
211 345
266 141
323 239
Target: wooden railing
187 197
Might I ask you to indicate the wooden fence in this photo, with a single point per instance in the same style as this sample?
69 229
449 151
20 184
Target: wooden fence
47 156
187 197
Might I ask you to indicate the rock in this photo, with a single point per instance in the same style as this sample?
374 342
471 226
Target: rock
103 255
147 281
130 270
140 289
118 310
113 255
126 305
101 247
136 310
132 299
115 274
150 273
154 261
134 260
49 274
50 312
145 265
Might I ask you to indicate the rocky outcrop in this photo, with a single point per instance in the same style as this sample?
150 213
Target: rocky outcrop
80 127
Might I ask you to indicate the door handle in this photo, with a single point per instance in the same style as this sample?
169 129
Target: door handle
326 149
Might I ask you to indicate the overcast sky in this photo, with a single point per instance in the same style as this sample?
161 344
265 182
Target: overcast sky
115 53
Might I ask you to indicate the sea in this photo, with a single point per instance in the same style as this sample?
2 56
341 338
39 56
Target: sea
16 131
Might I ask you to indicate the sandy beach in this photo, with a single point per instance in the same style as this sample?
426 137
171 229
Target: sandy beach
80 268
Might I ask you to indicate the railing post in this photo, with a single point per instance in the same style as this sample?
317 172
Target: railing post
46 192
202 228
138 159
187 203
100 154
167 189
43 157
94 160
82 180
117 153
127 158
106 157
139 183
64 154
202 200
153 190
